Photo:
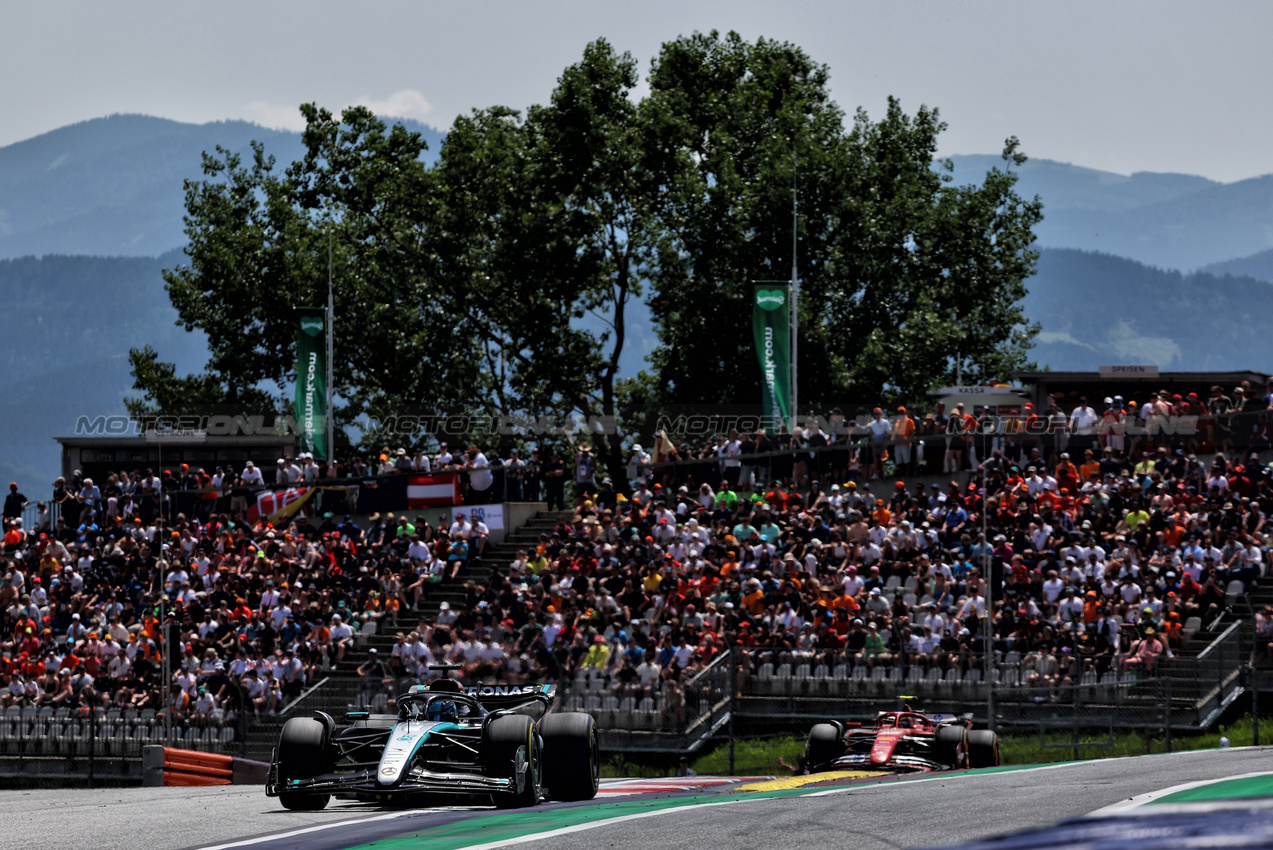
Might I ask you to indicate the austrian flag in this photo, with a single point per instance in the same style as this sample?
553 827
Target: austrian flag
270 504
439 490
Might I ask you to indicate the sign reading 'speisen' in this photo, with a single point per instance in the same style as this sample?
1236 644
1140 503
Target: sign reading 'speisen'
1131 371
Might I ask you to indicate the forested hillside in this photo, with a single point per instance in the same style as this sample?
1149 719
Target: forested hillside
67 326
1097 309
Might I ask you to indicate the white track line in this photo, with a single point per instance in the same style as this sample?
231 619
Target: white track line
1142 799
278 836
567 830
940 777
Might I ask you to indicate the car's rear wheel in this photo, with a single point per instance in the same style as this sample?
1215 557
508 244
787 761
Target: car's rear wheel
572 762
511 750
983 749
952 746
302 754
825 745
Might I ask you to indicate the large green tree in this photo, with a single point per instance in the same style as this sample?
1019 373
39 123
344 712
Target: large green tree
504 278
901 273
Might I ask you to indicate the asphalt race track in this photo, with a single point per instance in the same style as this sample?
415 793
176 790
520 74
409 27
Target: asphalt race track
925 811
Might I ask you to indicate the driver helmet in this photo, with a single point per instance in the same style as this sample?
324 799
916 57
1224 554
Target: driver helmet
443 710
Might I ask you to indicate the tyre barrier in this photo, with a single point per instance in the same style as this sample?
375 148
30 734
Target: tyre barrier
171 767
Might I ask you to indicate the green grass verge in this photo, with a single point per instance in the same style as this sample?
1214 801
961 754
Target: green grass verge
759 756
1030 749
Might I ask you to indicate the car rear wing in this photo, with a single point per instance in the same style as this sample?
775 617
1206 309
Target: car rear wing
510 696
947 718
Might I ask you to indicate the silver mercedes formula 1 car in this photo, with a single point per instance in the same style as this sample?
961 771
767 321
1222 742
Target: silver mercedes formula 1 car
500 745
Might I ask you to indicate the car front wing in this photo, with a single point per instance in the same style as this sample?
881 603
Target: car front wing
899 763
418 780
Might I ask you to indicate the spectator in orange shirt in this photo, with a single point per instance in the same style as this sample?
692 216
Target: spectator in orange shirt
903 452
1067 475
846 602
754 601
1091 607
1090 466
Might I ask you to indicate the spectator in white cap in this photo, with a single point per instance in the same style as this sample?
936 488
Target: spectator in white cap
446 616
402 463
342 636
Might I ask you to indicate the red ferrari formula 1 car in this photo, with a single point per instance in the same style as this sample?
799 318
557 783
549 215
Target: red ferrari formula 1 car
904 740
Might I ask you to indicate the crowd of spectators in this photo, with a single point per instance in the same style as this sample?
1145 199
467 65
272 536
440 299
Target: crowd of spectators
158 592
1103 542
1100 547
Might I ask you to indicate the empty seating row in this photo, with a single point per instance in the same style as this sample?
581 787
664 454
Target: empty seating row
45 730
840 680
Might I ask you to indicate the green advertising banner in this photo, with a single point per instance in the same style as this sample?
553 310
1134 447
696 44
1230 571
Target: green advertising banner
771 326
311 379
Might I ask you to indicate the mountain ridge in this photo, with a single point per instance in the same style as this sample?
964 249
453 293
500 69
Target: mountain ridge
1169 221
1259 265
113 186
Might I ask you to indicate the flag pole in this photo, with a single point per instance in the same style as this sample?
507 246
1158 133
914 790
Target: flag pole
795 298
331 321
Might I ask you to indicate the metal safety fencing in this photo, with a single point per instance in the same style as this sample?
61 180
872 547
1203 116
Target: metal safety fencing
46 745
780 693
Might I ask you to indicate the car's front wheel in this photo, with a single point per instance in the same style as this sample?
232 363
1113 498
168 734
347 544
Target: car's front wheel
825 745
511 750
302 754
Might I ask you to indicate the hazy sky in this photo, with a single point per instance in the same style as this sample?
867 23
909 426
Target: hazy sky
1123 86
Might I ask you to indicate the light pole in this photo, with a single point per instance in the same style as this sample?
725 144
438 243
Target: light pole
988 630
331 321
165 696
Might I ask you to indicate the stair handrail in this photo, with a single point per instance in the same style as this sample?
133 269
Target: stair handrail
1219 640
304 695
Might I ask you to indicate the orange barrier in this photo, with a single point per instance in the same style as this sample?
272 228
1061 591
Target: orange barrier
195 757
185 768
168 766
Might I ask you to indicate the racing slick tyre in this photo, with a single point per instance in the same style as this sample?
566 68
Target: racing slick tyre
302 754
511 750
572 769
952 746
983 749
825 745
